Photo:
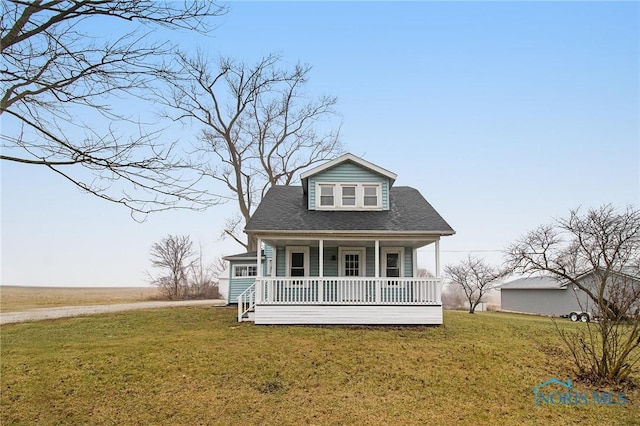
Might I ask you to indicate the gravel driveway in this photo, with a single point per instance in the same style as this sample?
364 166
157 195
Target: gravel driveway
72 311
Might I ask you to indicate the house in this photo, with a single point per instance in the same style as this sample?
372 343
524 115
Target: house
551 296
341 248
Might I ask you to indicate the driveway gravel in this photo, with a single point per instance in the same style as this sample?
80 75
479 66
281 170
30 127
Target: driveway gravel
73 311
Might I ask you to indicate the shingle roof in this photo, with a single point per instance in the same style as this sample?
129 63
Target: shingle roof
533 283
252 255
284 208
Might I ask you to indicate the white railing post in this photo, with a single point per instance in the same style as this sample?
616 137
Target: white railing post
320 282
437 250
378 284
259 274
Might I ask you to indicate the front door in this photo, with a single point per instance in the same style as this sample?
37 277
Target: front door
352 265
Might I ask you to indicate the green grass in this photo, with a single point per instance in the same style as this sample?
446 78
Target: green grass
199 366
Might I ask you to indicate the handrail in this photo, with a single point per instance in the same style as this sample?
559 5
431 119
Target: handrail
350 290
246 301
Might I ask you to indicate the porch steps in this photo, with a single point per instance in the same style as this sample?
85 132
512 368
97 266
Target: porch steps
246 304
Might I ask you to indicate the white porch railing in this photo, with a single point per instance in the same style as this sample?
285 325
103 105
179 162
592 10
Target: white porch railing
246 302
349 291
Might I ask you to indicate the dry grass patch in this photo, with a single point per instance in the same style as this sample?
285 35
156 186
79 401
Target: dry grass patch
17 298
199 366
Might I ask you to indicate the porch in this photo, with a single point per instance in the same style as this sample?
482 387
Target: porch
342 300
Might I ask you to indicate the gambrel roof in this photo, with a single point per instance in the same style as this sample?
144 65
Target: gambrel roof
284 208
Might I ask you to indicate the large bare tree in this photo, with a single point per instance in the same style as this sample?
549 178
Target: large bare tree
259 126
598 252
60 78
475 278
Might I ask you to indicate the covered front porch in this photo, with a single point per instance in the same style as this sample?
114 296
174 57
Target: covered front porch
357 280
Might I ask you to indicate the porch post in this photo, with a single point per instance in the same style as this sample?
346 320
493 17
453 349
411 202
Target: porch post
439 284
438 258
259 271
377 272
320 271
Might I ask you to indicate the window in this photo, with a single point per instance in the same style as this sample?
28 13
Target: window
348 195
370 196
393 265
240 271
297 261
326 195
352 261
297 265
351 265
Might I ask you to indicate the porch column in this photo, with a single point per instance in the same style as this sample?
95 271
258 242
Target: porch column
259 271
439 285
438 258
377 272
320 270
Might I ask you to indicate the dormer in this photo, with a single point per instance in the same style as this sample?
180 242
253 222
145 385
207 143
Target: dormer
348 183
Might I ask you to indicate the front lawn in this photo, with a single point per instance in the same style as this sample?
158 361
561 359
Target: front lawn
184 366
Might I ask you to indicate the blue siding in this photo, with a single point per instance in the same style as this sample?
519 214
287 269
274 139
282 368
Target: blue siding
348 172
314 267
331 266
371 261
281 255
238 285
408 262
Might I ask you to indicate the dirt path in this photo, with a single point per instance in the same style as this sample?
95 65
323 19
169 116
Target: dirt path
72 311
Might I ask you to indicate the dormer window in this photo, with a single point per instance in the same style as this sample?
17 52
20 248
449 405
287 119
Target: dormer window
370 195
348 196
326 195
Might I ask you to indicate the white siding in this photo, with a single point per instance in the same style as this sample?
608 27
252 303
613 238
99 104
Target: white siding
362 315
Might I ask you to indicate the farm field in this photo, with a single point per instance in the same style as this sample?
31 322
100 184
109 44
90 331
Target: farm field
17 298
199 366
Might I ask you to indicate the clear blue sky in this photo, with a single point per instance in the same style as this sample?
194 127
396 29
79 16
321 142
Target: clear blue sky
503 114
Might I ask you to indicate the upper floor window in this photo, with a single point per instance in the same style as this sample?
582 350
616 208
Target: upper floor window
348 196
326 195
370 195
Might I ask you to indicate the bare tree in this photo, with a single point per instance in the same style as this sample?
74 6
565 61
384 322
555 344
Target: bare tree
453 297
203 278
597 252
59 82
424 273
259 126
475 277
173 255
